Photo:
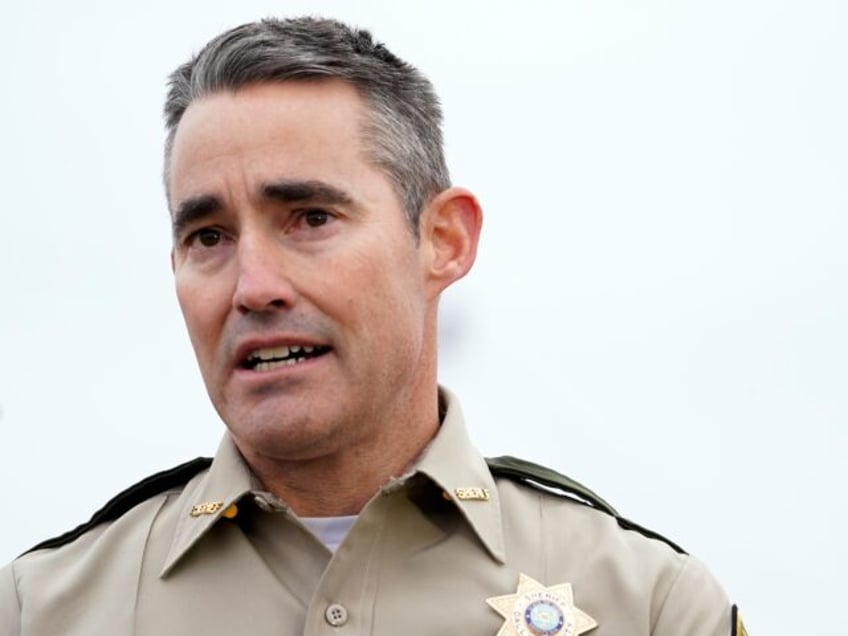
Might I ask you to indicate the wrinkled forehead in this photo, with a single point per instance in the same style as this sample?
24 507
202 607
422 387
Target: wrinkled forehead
301 121
319 102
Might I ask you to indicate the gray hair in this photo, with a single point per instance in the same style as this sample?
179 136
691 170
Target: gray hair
403 131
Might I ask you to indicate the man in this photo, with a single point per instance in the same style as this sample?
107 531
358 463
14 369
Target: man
314 230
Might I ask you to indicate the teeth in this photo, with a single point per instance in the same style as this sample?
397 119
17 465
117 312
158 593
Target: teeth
267 366
272 357
271 353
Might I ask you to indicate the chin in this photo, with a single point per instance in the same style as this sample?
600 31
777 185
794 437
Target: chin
294 437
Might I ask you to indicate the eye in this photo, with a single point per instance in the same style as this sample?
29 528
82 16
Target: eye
207 237
316 218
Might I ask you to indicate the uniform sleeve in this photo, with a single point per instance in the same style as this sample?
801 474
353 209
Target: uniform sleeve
10 607
696 605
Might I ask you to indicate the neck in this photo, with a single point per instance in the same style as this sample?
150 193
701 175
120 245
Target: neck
341 482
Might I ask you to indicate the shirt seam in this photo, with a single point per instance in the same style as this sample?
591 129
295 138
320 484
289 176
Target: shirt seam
167 495
17 591
543 536
671 587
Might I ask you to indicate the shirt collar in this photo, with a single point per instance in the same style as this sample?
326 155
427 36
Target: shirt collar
449 460
452 462
206 499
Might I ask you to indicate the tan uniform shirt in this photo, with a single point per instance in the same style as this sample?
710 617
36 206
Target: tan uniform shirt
423 557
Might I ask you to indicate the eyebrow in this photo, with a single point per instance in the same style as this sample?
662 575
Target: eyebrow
306 191
197 208
193 210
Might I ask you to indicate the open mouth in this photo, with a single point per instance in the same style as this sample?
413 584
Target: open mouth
275 357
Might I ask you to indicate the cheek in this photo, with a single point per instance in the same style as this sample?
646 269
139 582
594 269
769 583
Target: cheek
388 304
380 287
201 312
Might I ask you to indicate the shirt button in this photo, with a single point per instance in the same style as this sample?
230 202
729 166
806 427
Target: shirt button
336 615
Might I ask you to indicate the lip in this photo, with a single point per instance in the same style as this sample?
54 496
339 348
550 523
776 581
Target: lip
247 346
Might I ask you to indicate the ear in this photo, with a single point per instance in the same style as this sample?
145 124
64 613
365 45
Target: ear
450 229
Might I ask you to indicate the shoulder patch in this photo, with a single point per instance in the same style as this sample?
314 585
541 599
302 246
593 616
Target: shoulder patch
549 480
738 629
130 498
536 475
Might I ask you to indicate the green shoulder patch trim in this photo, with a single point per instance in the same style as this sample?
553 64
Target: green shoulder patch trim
130 498
548 480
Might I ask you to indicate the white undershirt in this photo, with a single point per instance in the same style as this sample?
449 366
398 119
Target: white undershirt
331 531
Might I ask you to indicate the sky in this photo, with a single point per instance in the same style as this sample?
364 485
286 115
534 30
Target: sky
659 305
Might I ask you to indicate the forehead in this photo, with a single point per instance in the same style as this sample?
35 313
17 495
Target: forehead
268 129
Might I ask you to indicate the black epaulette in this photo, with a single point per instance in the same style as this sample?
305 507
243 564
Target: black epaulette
130 498
553 482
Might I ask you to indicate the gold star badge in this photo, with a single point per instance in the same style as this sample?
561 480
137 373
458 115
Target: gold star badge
536 610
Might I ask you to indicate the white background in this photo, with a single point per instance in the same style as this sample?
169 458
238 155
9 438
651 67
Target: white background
659 308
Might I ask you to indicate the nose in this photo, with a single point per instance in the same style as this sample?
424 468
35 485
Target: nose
262 284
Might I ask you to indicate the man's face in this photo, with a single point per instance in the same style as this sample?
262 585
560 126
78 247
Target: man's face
300 282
